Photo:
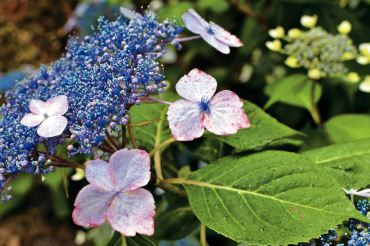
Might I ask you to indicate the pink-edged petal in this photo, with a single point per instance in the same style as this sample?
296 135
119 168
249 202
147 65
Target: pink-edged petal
196 85
52 126
194 22
185 120
226 37
216 43
226 114
132 212
97 173
57 105
38 107
130 169
32 120
91 206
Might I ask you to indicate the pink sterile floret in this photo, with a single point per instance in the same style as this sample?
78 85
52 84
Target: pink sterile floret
114 194
221 114
212 33
48 116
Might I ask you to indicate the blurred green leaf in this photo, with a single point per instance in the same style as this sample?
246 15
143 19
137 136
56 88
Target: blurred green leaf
348 127
217 6
175 224
293 90
174 9
58 183
21 184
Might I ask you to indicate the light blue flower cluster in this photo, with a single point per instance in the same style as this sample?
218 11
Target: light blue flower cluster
102 75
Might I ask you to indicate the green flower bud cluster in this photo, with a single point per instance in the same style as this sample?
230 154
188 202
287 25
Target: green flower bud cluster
323 54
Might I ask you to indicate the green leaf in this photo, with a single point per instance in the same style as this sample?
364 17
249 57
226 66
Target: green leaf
273 197
217 6
293 90
174 10
149 122
175 224
348 163
264 130
348 127
57 182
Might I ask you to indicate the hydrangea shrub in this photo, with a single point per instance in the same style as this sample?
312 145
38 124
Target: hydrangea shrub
88 103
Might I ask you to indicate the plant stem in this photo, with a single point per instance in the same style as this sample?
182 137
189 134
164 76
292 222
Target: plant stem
203 239
111 140
131 134
124 242
179 40
123 136
316 113
150 99
172 188
245 8
164 143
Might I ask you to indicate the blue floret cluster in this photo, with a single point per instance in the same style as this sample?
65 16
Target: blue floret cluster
358 233
102 75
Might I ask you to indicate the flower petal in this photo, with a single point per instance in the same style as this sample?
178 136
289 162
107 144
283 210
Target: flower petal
196 85
130 169
52 126
32 120
132 212
91 206
38 107
216 43
97 173
226 114
57 105
194 22
225 36
185 120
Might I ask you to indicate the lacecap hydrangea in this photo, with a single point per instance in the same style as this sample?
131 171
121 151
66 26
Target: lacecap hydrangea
102 75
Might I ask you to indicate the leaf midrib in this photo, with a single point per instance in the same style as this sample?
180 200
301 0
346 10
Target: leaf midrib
340 157
227 188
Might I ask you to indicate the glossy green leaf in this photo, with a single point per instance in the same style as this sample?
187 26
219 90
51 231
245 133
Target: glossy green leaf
293 90
175 224
264 130
348 127
348 163
273 197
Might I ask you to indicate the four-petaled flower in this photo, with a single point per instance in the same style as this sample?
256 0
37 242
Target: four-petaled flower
222 115
48 116
212 33
114 194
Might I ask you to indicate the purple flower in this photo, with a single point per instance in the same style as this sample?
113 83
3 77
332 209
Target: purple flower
221 114
114 194
212 33
48 116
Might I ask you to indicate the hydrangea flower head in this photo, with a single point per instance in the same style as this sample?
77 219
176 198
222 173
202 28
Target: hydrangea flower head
221 114
102 75
48 116
114 194
212 33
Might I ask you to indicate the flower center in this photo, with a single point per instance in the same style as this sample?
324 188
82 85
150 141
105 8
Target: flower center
204 105
45 115
210 30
